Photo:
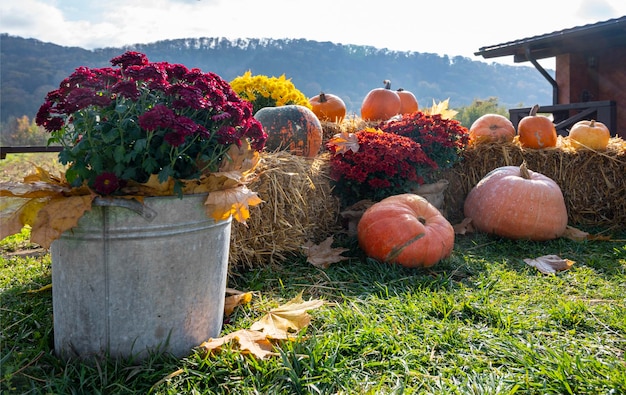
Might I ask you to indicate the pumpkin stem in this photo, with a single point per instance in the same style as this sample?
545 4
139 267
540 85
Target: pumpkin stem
387 84
400 89
523 171
592 123
534 110
323 98
422 220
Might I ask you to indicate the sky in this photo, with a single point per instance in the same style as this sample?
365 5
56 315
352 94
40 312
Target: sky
452 28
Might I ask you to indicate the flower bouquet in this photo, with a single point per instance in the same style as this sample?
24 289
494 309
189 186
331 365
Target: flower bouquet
397 156
263 91
136 129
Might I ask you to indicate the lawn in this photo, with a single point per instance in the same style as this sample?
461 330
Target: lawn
480 322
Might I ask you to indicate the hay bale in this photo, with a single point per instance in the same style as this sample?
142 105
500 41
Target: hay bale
298 207
593 183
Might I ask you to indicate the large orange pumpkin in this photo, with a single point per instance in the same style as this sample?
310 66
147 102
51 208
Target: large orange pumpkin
328 107
405 229
590 134
408 101
491 128
517 203
293 128
380 103
536 131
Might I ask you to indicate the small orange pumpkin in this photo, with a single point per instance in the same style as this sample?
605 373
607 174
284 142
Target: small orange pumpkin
517 203
491 128
328 107
293 128
408 102
536 131
590 134
380 103
405 229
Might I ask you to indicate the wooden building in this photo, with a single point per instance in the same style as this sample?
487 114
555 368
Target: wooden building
590 77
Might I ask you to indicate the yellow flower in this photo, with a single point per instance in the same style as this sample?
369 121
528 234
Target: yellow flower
263 91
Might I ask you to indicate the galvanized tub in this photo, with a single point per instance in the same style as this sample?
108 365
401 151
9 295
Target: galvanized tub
135 278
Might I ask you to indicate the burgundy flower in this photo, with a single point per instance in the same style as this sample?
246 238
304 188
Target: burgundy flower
159 116
106 183
127 89
174 139
128 59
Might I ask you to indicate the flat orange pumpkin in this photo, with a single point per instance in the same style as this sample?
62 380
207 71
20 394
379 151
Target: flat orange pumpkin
405 229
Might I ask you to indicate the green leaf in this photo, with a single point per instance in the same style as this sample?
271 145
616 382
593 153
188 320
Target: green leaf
165 173
121 108
110 136
150 165
119 153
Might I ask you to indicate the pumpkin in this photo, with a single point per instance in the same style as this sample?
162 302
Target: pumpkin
328 107
517 203
589 134
408 101
491 128
292 128
405 229
380 103
536 131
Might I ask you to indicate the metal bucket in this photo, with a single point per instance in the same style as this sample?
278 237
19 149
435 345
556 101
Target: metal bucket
132 279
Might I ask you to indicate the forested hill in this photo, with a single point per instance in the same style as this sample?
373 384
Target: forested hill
30 68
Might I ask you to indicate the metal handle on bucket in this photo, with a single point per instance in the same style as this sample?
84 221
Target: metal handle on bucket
146 212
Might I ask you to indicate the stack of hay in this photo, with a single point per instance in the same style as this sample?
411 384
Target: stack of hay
593 183
298 207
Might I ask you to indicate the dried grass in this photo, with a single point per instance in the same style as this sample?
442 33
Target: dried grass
299 207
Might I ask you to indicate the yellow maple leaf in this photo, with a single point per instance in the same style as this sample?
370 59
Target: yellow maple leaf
57 216
42 174
441 108
249 341
278 325
34 189
242 159
235 201
288 318
237 298
345 142
16 212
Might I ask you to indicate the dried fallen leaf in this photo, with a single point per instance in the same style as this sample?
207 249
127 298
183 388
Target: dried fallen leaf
57 216
279 324
579 235
288 318
549 264
322 255
249 341
442 109
464 227
233 301
235 202
344 142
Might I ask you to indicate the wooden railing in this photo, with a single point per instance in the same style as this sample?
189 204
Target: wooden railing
26 149
566 115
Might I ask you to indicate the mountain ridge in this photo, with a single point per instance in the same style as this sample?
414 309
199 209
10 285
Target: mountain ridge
31 68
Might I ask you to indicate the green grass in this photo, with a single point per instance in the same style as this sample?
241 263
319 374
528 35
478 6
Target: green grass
480 322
